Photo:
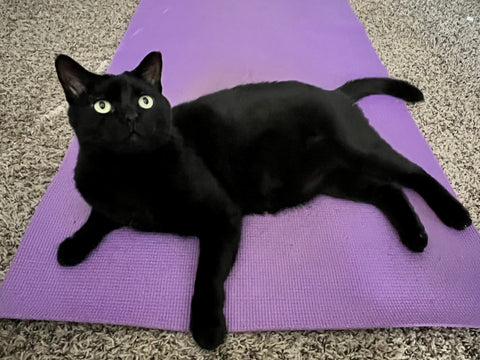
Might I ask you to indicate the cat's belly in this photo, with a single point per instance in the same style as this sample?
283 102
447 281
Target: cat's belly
272 195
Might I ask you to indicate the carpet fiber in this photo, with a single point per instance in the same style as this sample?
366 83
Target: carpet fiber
421 44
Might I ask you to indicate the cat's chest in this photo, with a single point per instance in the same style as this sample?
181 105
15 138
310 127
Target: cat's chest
137 197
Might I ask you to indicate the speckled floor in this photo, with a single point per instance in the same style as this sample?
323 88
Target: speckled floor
435 44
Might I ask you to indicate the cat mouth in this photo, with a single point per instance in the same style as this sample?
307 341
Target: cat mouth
134 135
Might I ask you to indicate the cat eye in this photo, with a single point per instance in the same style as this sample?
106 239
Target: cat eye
102 106
145 102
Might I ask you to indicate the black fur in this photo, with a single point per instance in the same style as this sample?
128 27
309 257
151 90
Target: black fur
198 168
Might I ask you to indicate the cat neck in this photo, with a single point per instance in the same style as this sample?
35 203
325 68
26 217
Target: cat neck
98 156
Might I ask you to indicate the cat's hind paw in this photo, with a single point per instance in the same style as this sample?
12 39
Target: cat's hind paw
415 240
457 218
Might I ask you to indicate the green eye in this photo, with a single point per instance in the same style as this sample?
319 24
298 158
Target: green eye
102 106
145 102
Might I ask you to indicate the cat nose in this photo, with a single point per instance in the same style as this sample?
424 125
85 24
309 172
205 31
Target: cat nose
131 119
131 116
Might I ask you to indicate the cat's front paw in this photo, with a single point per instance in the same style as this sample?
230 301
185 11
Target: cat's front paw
208 329
71 252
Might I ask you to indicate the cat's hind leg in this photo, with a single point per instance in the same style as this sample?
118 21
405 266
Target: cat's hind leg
396 168
448 209
388 198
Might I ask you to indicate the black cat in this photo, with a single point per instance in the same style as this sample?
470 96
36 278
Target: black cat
198 168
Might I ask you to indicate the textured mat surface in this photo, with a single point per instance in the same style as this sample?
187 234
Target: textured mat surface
332 264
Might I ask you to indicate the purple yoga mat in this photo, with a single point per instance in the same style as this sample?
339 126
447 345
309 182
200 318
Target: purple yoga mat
330 264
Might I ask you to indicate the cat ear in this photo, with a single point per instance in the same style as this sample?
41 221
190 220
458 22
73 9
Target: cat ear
150 69
72 76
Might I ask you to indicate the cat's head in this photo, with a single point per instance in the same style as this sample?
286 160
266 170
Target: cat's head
124 113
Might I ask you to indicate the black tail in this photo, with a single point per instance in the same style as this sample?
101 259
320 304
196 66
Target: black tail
360 88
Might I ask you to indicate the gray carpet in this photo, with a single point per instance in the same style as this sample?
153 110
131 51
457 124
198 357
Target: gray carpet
434 44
